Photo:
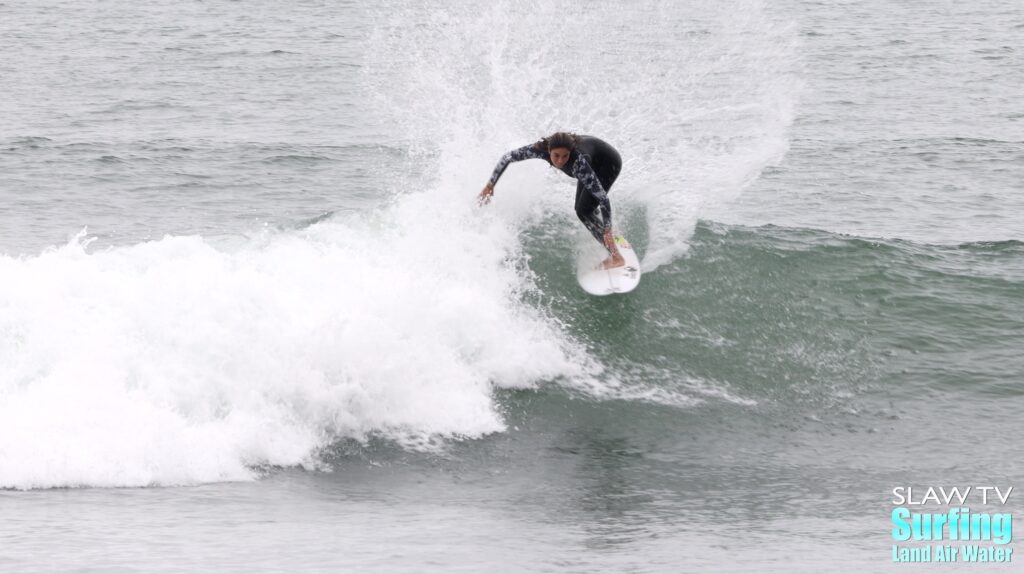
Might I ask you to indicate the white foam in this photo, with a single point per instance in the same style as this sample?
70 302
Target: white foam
175 362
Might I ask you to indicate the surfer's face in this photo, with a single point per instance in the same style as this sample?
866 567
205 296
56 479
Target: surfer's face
559 156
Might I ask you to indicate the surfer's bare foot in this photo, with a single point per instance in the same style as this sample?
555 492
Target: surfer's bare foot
613 261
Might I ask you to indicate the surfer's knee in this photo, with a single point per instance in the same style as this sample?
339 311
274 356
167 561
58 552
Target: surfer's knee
585 215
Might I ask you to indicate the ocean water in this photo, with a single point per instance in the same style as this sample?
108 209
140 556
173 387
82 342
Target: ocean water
253 320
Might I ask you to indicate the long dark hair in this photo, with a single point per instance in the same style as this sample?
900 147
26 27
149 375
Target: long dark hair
557 140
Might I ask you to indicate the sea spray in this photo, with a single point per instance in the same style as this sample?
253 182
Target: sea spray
697 116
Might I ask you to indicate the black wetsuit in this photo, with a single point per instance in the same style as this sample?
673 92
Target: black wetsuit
594 163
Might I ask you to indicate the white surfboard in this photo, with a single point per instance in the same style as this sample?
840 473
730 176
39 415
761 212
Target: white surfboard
597 281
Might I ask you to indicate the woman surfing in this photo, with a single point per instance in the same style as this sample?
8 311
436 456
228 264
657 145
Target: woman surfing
595 165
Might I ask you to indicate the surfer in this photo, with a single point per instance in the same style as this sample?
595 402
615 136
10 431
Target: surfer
595 165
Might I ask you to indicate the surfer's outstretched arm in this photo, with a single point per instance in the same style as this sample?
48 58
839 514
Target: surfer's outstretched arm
526 152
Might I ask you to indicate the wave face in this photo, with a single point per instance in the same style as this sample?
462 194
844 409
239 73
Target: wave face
175 362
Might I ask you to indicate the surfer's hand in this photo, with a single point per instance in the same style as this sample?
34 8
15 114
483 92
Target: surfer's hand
485 195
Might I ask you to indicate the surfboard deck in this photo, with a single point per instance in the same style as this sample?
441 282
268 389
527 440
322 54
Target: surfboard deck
597 281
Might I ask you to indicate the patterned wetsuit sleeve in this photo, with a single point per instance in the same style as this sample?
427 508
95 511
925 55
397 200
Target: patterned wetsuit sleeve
586 175
525 152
